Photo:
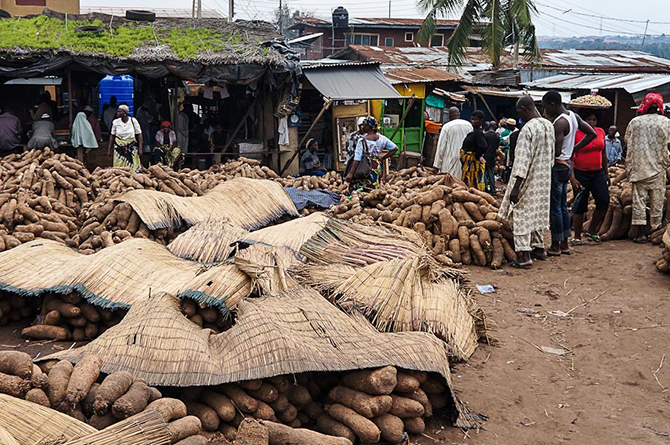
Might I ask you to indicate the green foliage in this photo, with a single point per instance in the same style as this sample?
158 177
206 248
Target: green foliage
46 33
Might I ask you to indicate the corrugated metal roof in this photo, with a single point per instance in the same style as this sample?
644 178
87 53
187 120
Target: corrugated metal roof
320 63
513 94
434 56
419 75
164 13
632 61
632 83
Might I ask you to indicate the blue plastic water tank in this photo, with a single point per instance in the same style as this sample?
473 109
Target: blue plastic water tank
119 86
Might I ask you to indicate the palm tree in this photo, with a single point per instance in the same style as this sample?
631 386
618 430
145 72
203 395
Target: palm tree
505 23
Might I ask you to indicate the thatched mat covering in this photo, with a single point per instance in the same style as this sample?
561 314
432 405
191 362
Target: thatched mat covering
267 267
6 438
247 203
297 331
118 276
145 428
210 241
30 423
291 234
397 296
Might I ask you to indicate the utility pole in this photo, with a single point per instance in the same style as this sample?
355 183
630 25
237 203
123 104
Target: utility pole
231 10
601 26
281 18
193 9
199 9
645 35
389 8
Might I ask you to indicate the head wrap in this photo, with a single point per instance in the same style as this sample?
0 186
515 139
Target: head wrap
360 121
310 142
124 108
372 122
166 124
649 100
88 108
46 116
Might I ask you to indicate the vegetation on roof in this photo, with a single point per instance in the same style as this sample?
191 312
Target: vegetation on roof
43 33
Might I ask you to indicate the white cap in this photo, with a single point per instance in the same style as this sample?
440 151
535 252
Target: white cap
360 121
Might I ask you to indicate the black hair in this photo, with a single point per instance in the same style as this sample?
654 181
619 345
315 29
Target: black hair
584 113
478 114
552 97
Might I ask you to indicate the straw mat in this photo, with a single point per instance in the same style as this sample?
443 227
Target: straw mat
266 267
398 296
6 438
30 423
210 241
118 276
291 234
145 428
247 203
294 332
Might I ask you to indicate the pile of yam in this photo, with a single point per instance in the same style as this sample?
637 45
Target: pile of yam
370 406
14 308
459 225
332 181
70 317
83 392
207 317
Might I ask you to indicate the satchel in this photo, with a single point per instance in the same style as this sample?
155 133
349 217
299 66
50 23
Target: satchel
364 166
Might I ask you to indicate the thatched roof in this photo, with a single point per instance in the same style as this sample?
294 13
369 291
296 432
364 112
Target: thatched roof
207 41
297 331
247 203
31 423
119 276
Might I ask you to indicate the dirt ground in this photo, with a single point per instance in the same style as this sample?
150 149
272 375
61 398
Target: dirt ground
603 390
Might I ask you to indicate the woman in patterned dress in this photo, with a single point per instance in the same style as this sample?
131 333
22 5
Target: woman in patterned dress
125 138
376 147
472 153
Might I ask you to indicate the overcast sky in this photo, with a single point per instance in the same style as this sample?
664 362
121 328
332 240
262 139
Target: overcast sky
553 19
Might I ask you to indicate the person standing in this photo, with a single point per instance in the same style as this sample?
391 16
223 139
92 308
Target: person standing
450 142
566 124
82 134
10 133
526 201
183 130
109 114
613 147
472 153
94 122
590 178
125 138
44 134
648 140
375 148
492 144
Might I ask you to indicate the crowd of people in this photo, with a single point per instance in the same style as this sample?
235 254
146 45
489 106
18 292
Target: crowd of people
565 147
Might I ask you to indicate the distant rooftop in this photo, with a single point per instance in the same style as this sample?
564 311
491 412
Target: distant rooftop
604 60
163 13
375 23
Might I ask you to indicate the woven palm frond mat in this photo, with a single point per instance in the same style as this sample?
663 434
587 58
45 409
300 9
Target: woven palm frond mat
246 203
208 242
292 234
398 296
294 332
119 276
267 267
30 423
145 428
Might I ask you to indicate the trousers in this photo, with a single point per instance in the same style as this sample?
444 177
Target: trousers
529 241
559 214
651 190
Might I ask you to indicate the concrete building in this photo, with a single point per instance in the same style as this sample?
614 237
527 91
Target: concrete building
20 8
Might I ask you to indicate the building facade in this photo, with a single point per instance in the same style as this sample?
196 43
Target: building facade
20 8
378 32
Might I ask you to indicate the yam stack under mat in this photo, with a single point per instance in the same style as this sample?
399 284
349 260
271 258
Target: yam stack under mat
119 276
31 423
247 203
207 242
292 234
297 331
399 296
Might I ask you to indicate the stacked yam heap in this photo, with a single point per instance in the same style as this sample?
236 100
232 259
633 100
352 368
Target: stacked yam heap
459 225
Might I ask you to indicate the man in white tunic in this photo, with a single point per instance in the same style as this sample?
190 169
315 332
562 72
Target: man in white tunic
526 202
448 155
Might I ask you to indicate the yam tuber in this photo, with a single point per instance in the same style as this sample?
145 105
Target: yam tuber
404 407
327 425
182 428
112 387
372 381
37 395
16 363
59 376
208 417
284 435
171 409
241 399
391 427
362 427
132 402
364 404
84 374
13 385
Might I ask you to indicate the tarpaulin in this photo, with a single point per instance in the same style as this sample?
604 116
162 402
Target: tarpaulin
351 82
317 198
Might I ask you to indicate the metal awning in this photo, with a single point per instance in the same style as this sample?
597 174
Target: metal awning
50 80
351 82
305 39
515 94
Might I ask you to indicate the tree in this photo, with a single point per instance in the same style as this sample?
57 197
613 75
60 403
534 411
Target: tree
505 23
284 18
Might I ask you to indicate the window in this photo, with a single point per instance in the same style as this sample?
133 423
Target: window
388 41
437 40
31 2
409 37
365 39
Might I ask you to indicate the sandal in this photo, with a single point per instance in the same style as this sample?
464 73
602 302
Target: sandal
516 264
576 242
642 240
593 238
540 256
566 252
553 252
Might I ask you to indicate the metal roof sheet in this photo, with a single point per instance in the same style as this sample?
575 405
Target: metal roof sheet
377 22
416 55
632 83
603 59
419 75
167 13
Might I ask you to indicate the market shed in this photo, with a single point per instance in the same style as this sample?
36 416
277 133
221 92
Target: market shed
203 62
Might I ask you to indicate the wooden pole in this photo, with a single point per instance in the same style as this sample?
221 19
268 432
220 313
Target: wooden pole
487 105
69 96
326 105
239 125
402 120
616 107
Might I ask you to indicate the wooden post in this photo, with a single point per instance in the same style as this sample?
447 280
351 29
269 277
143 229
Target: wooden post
616 107
487 106
240 124
402 120
326 105
69 96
